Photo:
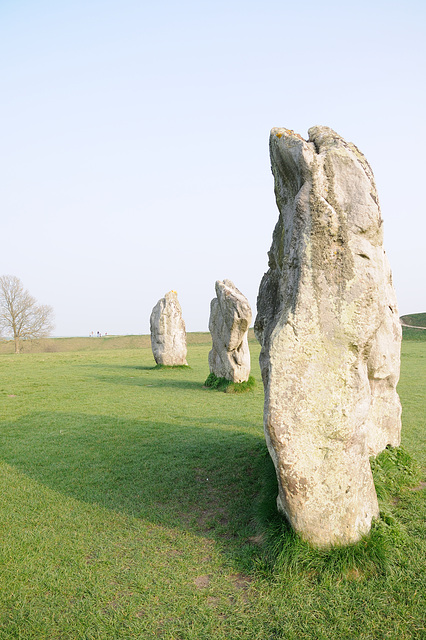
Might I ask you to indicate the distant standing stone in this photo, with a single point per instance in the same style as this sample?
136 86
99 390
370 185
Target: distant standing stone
168 335
328 324
230 318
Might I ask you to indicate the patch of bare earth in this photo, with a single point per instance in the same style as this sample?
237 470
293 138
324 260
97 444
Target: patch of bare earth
240 581
202 582
213 602
241 584
354 574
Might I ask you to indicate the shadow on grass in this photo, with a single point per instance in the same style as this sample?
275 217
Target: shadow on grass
213 482
171 377
123 367
197 478
132 367
154 382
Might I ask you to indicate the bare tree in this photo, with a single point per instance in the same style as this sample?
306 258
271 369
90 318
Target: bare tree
20 315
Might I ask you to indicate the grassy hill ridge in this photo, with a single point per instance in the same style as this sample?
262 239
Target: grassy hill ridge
196 338
414 319
105 343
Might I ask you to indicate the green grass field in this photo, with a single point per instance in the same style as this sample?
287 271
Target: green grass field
135 503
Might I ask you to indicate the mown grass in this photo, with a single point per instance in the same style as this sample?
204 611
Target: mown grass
413 335
136 504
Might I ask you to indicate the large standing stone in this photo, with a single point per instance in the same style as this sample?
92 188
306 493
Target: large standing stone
330 334
168 335
230 318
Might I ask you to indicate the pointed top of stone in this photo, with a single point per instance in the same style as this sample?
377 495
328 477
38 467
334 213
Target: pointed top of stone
227 289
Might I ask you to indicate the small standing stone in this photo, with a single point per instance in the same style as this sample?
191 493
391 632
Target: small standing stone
168 335
230 318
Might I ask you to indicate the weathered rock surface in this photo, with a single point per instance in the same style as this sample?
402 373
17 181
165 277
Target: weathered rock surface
168 335
230 318
328 324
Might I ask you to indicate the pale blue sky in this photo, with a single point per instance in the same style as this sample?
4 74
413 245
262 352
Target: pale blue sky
134 143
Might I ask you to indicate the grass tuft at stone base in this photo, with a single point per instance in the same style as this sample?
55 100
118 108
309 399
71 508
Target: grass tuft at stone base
284 553
227 386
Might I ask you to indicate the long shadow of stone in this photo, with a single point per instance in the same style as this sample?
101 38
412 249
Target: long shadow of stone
172 378
128 367
193 477
154 382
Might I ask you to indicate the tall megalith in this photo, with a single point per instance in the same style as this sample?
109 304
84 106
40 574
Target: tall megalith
168 335
328 325
230 318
